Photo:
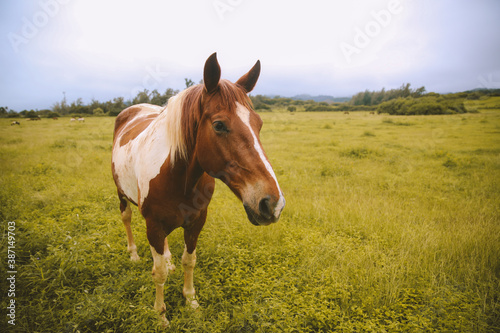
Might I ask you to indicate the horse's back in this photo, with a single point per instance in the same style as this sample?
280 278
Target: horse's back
133 120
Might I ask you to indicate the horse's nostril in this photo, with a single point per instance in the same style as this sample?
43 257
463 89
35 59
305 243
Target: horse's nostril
265 208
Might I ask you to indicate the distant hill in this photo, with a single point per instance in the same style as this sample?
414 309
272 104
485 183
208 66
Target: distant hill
322 98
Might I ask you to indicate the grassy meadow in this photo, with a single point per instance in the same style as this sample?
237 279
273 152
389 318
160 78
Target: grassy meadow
392 224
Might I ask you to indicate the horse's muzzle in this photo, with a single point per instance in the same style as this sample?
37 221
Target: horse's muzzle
267 212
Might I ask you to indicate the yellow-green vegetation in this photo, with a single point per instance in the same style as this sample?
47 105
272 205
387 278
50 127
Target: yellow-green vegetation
391 225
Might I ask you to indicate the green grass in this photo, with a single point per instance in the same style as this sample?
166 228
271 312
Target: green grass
391 225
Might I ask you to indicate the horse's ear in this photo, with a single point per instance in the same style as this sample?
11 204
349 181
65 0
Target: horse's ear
211 73
249 80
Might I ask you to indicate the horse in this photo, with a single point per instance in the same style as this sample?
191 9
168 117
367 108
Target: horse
81 120
165 161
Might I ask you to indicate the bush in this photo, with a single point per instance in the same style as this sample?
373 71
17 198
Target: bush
321 107
98 112
263 106
423 106
53 115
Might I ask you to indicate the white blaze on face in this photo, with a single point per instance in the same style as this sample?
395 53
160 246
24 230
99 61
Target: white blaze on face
244 114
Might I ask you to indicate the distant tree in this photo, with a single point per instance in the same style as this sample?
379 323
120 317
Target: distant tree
377 97
4 110
188 82
367 98
142 97
292 108
61 107
162 99
113 108
405 90
30 114
156 98
53 115
43 113
94 104
77 107
12 114
170 93
419 92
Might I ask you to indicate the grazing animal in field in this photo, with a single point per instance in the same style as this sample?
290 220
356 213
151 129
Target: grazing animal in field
81 120
15 123
371 112
72 119
55 118
165 159
346 112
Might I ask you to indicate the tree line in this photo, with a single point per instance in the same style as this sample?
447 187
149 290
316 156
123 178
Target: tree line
377 97
112 107
401 101
96 108
408 101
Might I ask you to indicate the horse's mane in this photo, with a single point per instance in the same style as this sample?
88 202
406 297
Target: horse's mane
184 112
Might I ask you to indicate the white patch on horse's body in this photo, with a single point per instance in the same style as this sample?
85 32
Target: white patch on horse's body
140 160
244 114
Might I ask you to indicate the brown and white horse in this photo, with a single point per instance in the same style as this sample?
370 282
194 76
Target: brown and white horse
165 161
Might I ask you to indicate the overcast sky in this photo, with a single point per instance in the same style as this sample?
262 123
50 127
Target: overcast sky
108 48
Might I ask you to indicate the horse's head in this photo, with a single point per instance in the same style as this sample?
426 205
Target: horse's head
228 145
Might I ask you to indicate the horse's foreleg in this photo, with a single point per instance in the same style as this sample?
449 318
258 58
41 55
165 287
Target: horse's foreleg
189 258
160 273
168 257
188 263
127 218
160 252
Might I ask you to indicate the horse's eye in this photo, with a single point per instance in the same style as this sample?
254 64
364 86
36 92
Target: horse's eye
219 127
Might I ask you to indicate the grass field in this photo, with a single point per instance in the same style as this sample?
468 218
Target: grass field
392 224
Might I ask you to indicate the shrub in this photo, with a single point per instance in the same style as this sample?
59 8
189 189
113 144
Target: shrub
53 115
98 112
423 106
262 107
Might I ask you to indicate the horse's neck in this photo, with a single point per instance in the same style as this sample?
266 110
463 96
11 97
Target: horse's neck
163 139
152 150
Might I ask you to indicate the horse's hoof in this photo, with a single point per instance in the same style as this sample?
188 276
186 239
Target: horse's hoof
192 303
164 323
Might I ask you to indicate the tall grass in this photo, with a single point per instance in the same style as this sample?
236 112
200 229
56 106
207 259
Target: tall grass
391 224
